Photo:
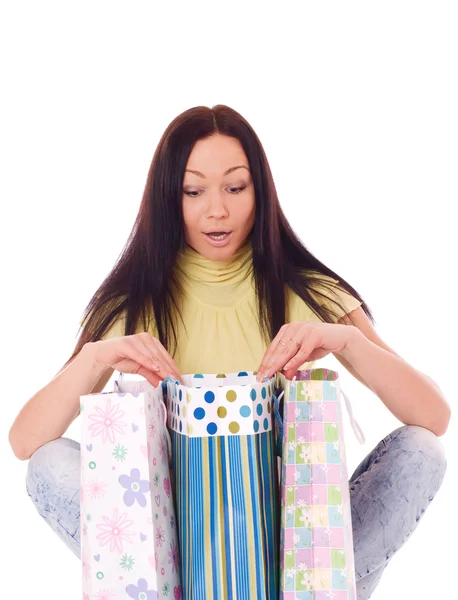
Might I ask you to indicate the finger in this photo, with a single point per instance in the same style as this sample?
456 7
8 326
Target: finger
157 349
289 373
166 362
151 377
279 353
131 363
304 353
286 349
151 360
283 354
269 353
137 353
297 360
166 357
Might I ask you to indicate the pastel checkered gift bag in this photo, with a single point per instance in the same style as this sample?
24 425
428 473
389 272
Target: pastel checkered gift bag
316 556
226 484
129 546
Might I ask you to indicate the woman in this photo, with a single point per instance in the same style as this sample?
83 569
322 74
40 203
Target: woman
212 246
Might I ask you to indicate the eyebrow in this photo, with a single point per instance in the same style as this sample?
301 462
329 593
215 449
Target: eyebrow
199 174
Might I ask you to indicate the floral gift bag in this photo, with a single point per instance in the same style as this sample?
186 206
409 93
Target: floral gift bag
129 546
227 493
317 559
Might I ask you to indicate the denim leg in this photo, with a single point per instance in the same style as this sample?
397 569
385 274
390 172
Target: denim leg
389 492
53 484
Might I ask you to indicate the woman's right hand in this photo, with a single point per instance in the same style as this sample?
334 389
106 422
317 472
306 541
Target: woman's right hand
140 354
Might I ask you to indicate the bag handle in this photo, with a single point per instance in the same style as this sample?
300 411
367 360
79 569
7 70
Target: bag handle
356 428
164 412
278 417
164 394
276 404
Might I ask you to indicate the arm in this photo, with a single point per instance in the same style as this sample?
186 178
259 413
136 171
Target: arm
48 414
410 396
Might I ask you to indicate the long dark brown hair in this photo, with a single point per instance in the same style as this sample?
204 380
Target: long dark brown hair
143 285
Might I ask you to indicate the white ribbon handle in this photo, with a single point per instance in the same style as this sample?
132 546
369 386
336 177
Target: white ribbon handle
356 428
167 433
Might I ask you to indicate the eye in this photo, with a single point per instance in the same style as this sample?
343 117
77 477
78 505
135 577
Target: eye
237 191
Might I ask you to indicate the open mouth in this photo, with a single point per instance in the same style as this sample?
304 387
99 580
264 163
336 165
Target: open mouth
218 235
218 238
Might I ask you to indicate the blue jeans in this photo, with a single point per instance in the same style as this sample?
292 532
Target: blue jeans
389 491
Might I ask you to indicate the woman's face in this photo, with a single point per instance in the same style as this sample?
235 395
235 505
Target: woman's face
217 197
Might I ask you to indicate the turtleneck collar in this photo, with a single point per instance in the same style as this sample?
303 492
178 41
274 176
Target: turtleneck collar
216 283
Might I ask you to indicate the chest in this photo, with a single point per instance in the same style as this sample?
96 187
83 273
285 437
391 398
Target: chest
217 340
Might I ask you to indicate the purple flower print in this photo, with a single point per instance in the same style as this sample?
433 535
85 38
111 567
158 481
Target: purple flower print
152 428
177 593
160 536
141 591
136 488
174 558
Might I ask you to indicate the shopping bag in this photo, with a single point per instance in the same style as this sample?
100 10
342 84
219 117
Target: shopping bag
316 539
226 481
129 545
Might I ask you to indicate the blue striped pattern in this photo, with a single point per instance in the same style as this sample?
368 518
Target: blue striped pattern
226 490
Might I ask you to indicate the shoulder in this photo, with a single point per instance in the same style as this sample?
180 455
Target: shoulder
324 290
118 326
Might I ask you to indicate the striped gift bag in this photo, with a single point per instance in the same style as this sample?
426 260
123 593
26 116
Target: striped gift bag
316 539
226 485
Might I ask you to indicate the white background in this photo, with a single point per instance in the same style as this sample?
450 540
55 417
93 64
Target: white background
356 106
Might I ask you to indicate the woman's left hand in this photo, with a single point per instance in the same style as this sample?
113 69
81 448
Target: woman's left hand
300 342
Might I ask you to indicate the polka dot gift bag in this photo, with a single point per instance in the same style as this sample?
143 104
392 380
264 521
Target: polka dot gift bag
226 485
316 539
129 545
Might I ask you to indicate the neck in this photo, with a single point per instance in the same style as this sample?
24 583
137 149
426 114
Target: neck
216 282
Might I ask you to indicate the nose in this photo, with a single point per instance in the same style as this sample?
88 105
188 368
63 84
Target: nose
217 207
